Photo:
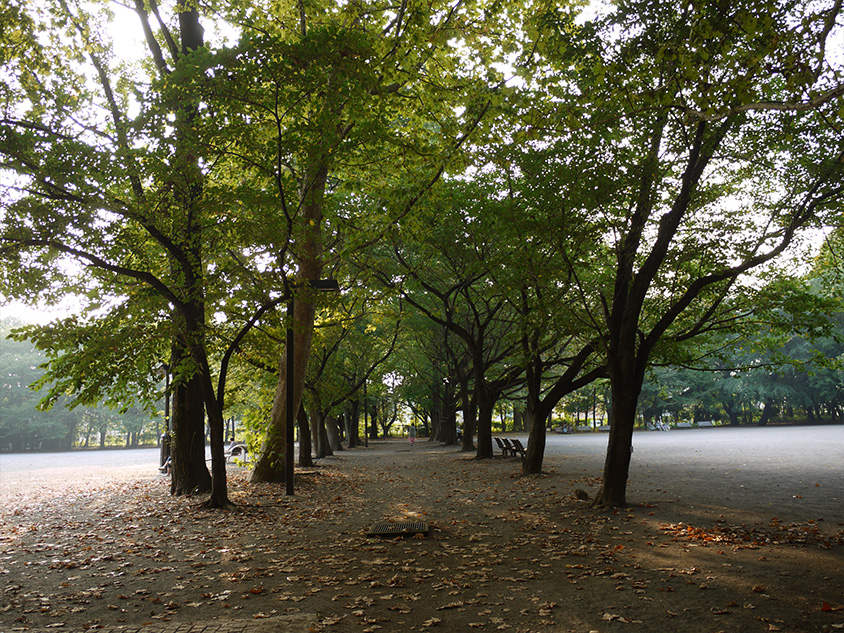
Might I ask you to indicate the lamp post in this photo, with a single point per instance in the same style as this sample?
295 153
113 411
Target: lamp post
324 285
365 426
164 439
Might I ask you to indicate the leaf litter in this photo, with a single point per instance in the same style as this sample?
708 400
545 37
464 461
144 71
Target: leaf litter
505 553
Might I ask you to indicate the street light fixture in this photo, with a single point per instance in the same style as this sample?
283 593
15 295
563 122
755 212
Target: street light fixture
324 285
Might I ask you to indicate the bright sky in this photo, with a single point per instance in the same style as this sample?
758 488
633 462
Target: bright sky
37 315
126 34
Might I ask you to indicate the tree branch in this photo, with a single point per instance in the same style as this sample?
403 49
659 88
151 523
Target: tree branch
224 363
781 106
152 43
148 278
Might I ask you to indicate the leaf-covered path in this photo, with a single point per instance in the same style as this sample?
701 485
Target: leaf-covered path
505 553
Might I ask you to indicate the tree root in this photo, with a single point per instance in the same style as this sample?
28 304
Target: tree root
214 504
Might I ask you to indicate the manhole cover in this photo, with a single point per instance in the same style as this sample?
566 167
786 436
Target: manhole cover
405 528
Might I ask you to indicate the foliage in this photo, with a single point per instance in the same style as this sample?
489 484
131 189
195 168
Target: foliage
114 359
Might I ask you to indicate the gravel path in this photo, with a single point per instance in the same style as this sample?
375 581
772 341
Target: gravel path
787 472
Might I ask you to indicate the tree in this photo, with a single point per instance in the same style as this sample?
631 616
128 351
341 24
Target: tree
704 147
334 97
36 414
348 353
105 173
448 277
429 376
778 352
558 351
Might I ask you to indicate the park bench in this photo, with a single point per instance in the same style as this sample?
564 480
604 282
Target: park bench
604 427
505 450
683 425
518 448
706 423
510 448
236 450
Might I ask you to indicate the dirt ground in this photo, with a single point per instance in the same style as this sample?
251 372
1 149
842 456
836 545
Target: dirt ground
505 553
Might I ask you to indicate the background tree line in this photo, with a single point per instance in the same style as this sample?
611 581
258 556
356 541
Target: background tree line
26 425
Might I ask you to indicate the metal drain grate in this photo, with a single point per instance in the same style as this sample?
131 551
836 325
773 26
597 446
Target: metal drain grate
399 529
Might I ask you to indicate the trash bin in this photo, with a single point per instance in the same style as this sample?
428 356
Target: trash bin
165 449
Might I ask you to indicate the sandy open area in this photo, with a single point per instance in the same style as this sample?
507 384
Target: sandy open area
728 530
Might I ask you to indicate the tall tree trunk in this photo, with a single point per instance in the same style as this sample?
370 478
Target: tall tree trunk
469 406
534 413
216 425
373 424
486 404
518 419
731 412
189 473
626 379
270 464
313 431
426 427
324 442
333 430
444 414
269 467
767 413
306 459
447 432
319 436
617 464
350 421
535 450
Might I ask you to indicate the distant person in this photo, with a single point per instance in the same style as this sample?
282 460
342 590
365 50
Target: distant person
411 435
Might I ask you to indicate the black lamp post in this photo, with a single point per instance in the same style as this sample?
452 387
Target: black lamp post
365 408
164 439
325 285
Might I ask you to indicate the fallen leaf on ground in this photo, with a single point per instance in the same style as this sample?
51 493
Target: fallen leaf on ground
612 617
